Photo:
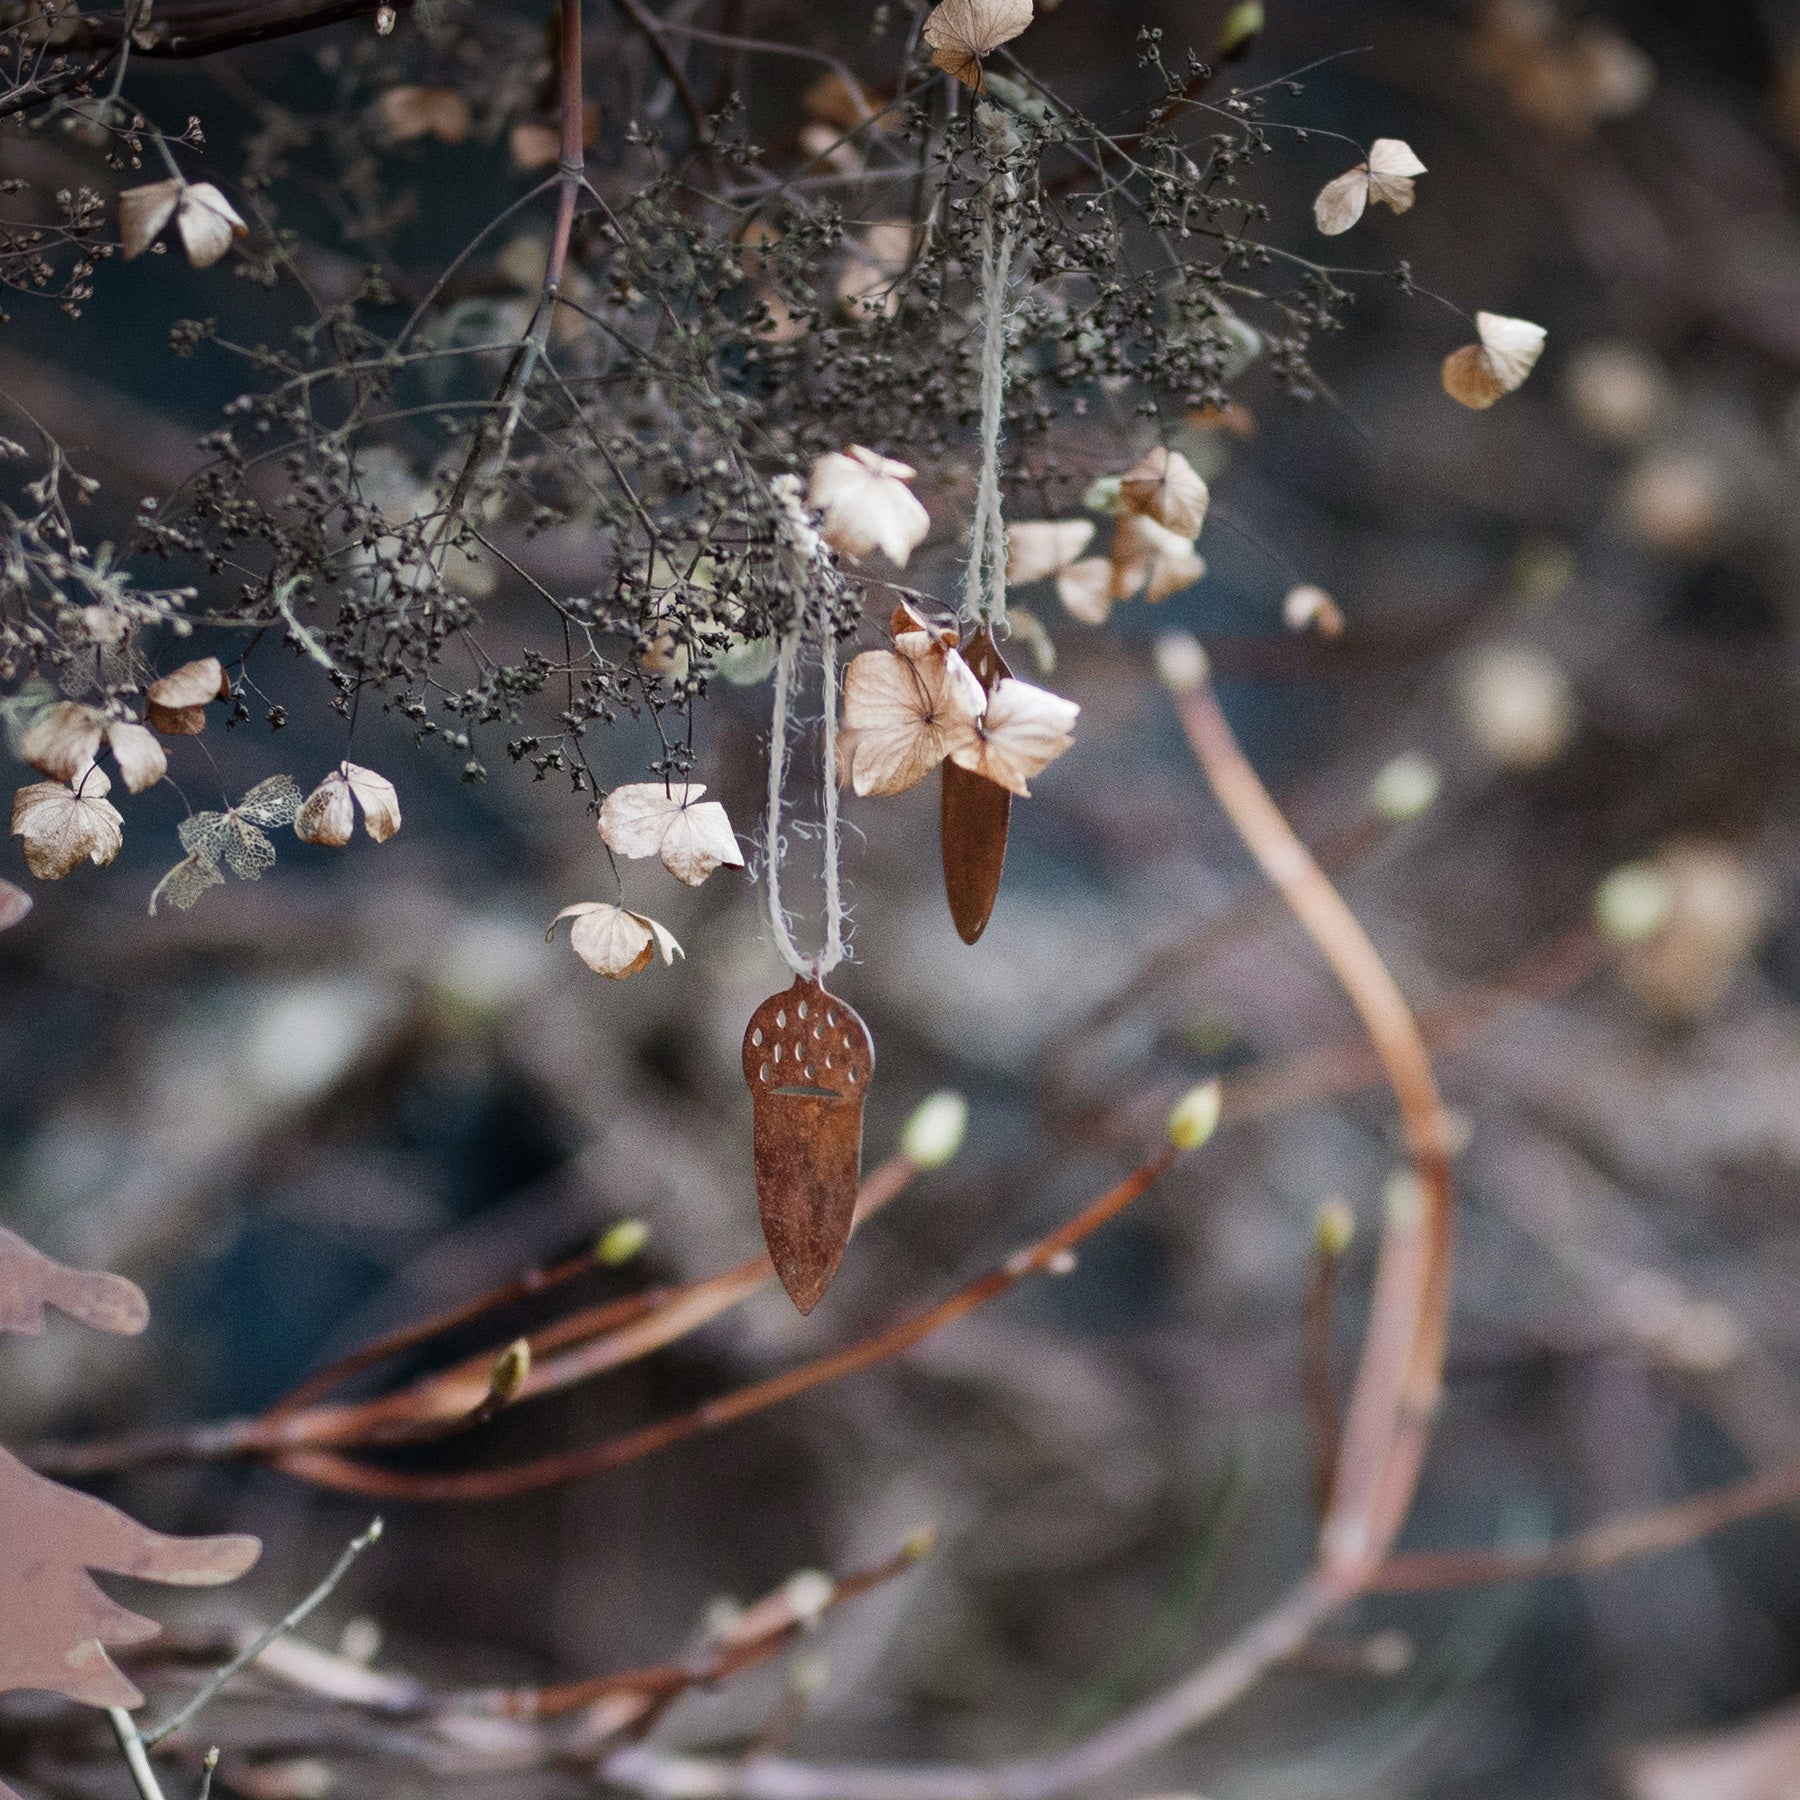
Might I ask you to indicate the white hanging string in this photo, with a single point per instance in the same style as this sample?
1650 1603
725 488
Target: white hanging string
984 589
786 665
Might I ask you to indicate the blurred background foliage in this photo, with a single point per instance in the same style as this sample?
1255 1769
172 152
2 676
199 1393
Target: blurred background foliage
365 1087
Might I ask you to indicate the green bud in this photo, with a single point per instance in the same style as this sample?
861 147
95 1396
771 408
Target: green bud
936 1130
1243 26
1195 1116
619 1243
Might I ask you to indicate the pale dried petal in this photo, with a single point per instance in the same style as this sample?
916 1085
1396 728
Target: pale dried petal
691 836
376 796
1040 548
1150 556
1340 203
328 814
1085 589
1024 729
1392 169
906 714
193 684
63 826
1166 487
962 32
611 941
666 946
62 740
15 903
142 760
1306 606
143 212
1478 374
207 222
865 505
407 113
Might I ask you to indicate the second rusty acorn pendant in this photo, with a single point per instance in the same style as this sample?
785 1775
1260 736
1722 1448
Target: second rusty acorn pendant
973 817
808 1059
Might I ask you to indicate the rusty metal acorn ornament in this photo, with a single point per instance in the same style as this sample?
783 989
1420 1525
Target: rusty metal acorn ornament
808 1059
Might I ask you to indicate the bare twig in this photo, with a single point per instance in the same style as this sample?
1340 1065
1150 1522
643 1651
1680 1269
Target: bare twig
210 1689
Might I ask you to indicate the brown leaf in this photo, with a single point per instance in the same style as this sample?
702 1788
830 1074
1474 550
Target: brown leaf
1167 488
905 714
64 826
193 684
30 1281
1086 589
141 759
176 721
1308 606
1478 374
962 32
1149 556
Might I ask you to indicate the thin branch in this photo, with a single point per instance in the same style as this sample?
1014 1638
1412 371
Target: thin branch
1603 1546
1400 1377
137 1760
210 1689
328 1469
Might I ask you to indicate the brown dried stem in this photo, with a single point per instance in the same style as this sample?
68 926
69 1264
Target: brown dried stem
1400 1376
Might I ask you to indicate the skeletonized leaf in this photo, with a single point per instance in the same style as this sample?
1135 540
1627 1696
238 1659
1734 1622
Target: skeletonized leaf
1387 178
1085 589
1478 374
235 837
864 504
1040 548
962 32
186 882
143 212
193 684
62 740
1166 487
63 826
613 942
691 836
904 714
1023 731
207 222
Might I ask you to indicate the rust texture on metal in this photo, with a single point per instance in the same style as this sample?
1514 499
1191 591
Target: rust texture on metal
808 1059
55 1623
973 818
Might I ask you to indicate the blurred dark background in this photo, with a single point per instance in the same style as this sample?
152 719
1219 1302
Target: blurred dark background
364 1087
